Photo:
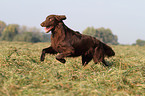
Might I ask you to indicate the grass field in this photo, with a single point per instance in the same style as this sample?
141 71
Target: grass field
22 73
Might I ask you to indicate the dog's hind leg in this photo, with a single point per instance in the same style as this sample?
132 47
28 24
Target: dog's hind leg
49 50
86 59
104 62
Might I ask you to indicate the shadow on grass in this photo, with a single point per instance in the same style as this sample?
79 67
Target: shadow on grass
109 63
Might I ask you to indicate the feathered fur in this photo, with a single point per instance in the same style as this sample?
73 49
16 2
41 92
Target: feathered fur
69 43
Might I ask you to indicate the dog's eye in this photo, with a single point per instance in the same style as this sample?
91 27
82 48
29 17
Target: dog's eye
50 19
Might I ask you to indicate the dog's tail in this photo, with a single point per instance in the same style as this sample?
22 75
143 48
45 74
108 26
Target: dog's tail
102 50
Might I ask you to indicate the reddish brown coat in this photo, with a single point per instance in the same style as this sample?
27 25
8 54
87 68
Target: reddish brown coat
69 43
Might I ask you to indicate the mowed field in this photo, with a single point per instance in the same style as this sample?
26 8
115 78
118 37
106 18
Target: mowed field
22 73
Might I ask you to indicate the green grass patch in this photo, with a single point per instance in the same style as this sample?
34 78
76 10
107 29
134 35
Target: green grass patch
22 73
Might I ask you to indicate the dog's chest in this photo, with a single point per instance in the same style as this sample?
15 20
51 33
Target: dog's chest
56 43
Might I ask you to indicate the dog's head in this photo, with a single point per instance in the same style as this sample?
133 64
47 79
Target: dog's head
51 21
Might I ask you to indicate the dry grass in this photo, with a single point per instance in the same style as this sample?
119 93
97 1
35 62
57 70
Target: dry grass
21 73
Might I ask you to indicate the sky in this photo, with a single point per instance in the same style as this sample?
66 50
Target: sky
126 18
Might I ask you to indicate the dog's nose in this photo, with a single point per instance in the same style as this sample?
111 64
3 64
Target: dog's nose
42 24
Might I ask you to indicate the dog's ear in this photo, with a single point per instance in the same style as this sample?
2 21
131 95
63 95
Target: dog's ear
60 17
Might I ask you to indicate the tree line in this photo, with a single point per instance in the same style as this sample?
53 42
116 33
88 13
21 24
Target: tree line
14 32
139 42
102 34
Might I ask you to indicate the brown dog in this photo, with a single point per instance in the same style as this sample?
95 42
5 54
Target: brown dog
69 43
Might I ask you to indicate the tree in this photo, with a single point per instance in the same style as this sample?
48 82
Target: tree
140 42
2 26
45 37
102 34
90 31
27 37
14 32
10 32
23 28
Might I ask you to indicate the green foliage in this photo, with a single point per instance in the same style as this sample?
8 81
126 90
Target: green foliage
22 73
10 32
2 26
90 31
27 37
14 32
102 34
140 42
45 37
33 37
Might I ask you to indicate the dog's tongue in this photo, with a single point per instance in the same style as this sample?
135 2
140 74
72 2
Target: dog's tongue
47 29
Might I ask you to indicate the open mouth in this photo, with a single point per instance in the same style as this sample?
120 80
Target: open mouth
47 29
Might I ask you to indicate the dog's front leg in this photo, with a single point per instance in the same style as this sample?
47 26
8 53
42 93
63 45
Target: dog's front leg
49 50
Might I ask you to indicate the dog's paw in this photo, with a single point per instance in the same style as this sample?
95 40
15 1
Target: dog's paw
61 60
42 58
